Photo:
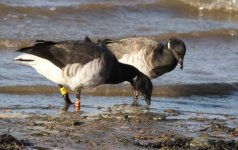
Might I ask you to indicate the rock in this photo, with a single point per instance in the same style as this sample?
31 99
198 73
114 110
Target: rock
172 111
200 143
77 123
94 144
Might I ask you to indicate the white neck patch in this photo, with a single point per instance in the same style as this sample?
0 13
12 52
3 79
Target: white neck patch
134 79
169 46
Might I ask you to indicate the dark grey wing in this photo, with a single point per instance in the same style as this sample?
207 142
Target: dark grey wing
131 45
65 52
42 49
76 52
121 47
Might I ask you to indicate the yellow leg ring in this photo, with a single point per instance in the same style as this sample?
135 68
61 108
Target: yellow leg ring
63 91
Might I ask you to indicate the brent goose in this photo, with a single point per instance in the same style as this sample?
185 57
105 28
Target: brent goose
149 56
82 64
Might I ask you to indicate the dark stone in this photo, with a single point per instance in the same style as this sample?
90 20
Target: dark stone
77 123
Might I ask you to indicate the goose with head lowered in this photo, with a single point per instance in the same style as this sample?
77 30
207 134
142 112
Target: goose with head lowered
149 56
82 64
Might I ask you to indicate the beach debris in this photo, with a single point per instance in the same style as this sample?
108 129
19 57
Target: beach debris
9 142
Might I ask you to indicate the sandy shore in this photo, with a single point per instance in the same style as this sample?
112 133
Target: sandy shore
118 127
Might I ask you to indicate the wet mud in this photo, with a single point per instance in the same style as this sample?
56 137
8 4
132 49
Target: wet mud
118 127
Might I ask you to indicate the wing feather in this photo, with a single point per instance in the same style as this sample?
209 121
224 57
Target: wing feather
65 52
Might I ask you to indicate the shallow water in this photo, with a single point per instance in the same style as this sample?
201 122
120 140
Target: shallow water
209 30
192 107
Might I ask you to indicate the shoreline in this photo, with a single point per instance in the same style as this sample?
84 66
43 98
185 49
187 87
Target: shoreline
120 127
180 90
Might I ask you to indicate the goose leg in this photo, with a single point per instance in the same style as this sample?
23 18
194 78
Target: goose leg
136 95
65 95
77 100
135 100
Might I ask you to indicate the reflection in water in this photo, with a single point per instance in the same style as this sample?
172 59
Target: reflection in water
66 108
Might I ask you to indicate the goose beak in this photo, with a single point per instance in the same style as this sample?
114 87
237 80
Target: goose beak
148 100
180 61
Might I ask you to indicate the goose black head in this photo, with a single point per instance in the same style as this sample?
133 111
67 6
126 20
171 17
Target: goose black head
144 85
178 49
